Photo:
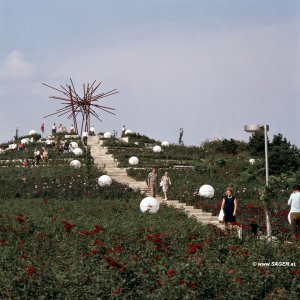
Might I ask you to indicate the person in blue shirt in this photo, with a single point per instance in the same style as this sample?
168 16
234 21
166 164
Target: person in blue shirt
294 202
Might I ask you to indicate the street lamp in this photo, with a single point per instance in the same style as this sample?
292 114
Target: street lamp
261 128
254 128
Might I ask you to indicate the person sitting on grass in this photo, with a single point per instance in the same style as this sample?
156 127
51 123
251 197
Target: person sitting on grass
25 163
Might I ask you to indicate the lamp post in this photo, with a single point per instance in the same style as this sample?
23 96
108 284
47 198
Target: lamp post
254 128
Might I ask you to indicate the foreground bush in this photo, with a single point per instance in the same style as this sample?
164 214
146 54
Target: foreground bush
93 249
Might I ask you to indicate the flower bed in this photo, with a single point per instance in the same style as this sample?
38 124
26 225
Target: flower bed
53 248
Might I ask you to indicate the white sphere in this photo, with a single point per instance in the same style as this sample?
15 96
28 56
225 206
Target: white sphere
76 164
128 131
104 180
251 161
74 145
165 144
32 132
157 148
77 151
107 135
25 141
206 191
133 160
149 204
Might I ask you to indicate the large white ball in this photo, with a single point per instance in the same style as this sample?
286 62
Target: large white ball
149 204
107 135
25 141
128 131
157 148
74 145
165 144
206 191
32 132
133 160
77 151
104 180
76 164
251 161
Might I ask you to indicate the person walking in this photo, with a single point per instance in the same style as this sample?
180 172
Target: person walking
152 182
294 202
229 206
42 129
85 137
123 131
92 131
165 183
53 128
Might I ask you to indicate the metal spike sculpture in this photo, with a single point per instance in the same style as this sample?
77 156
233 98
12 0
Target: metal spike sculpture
85 106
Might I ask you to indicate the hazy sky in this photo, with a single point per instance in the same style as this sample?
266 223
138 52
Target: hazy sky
208 66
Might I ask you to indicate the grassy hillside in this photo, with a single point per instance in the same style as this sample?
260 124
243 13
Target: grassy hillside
65 237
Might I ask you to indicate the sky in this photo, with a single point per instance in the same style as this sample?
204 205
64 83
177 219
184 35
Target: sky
207 66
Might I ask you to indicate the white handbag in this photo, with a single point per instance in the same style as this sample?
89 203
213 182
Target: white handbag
221 215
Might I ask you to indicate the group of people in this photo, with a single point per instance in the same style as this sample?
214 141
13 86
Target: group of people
37 157
63 129
229 204
165 183
229 207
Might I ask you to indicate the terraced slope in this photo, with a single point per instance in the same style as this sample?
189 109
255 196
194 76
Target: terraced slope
107 162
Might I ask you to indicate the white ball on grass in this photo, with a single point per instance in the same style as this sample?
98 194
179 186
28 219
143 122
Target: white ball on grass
150 205
76 164
133 160
157 149
77 151
107 135
74 145
104 180
206 191
32 132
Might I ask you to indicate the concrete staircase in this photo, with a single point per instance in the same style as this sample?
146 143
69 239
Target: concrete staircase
109 165
106 162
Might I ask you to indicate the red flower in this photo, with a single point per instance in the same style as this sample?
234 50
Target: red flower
295 272
20 218
98 228
148 236
117 291
192 285
117 249
193 247
112 263
94 251
239 280
171 273
233 248
99 243
30 270
68 226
